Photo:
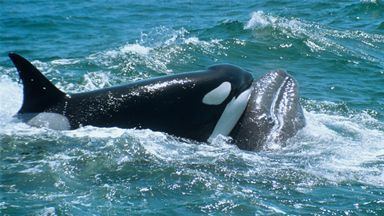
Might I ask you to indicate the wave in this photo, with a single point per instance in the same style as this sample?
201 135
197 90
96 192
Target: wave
317 38
155 51
371 1
332 148
338 145
341 149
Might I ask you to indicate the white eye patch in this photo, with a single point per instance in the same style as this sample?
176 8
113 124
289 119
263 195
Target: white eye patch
218 95
231 115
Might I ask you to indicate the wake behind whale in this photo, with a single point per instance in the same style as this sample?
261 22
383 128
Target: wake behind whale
221 100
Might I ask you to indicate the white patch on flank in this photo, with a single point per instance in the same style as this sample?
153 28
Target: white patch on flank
231 115
50 120
218 95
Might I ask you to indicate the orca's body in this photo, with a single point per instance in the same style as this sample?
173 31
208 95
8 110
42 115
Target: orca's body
188 105
196 105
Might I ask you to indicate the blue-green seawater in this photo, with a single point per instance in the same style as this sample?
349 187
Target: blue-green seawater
334 166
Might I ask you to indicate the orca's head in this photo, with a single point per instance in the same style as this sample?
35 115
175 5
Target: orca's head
273 114
231 82
231 88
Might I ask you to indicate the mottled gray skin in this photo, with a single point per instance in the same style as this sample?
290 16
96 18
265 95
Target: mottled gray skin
273 114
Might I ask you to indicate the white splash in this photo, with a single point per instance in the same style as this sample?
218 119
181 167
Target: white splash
259 19
11 96
95 80
316 37
341 148
65 61
94 132
156 50
136 48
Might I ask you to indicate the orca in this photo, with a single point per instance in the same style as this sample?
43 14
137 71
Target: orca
273 114
221 100
197 105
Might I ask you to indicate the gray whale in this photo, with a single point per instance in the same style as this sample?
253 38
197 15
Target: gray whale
273 114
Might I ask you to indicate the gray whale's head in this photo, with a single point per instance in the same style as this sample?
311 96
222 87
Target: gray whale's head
273 114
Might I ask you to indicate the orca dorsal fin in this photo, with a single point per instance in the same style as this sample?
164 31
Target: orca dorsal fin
39 92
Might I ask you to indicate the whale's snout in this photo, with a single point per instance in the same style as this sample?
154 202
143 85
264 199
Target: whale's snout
273 114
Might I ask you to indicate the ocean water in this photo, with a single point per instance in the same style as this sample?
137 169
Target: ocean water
333 166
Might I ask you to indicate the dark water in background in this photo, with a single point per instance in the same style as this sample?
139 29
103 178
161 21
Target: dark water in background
334 166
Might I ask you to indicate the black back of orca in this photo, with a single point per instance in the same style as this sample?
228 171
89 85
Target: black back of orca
173 104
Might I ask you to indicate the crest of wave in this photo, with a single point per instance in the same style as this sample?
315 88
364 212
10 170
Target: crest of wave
10 97
340 148
156 50
319 38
